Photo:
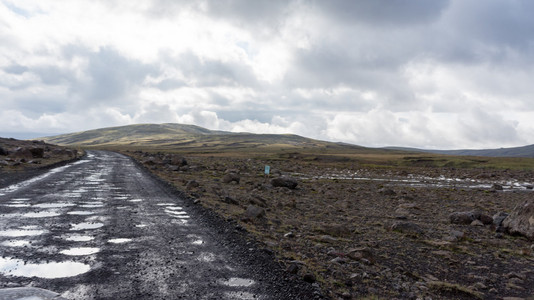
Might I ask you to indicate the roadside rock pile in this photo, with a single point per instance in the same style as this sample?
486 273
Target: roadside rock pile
15 153
169 161
521 221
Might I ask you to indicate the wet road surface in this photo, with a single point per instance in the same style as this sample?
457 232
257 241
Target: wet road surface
101 228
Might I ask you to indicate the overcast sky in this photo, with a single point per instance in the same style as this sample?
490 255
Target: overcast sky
428 74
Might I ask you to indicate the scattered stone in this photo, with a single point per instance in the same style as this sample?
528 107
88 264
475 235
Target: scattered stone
521 221
497 187
289 235
231 177
3 151
387 192
230 200
361 253
327 239
407 228
462 218
336 230
477 223
287 182
37 152
498 219
308 277
293 268
191 184
254 212
455 235
485 219
258 201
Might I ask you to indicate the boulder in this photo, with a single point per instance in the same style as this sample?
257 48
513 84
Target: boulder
462 218
498 218
3 151
37 152
22 153
254 212
387 192
231 177
407 228
521 220
287 182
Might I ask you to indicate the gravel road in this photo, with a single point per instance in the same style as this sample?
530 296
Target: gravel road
103 228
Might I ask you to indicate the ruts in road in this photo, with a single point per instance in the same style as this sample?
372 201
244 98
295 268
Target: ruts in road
102 228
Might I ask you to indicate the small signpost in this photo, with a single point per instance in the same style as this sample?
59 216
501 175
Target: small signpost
267 171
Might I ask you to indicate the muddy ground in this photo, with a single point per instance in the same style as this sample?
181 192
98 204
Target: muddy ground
371 232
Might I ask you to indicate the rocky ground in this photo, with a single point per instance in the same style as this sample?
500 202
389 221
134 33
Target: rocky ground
19 158
410 233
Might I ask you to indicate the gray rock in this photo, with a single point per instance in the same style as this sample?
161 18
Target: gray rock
230 200
310 278
497 187
407 228
37 152
3 151
254 212
231 177
462 218
521 220
387 192
191 184
498 218
287 182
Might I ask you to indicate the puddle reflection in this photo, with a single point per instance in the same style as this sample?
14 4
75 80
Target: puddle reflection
77 251
17 267
86 225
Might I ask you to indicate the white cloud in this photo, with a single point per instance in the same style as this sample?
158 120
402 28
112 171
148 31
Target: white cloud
438 74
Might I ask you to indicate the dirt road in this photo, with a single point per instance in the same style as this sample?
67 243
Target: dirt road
102 228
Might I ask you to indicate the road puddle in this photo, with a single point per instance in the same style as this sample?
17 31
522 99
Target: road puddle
21 232
86 226
79 238
78 251
54 205
41 214
165 204
175 212
136 200
80 213
16 243
197 242
235 282
174 207
119 241
16 205
206 257
49 270
97 205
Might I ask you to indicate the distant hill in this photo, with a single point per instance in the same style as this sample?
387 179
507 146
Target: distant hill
524 151
170 136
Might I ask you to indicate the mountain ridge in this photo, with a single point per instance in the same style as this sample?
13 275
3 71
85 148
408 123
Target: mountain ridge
169 135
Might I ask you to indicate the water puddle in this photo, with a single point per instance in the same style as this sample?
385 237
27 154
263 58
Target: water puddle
241 295
136 200
54 205
16 205
20 199
80 213
16 243
92 205
17 267
174 207
237 282
119 241
78 251
172 212
79 238
164 204
206 257
197 242
141 225
41 214
86 226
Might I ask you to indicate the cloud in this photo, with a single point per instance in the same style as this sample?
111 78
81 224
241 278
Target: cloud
438 74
